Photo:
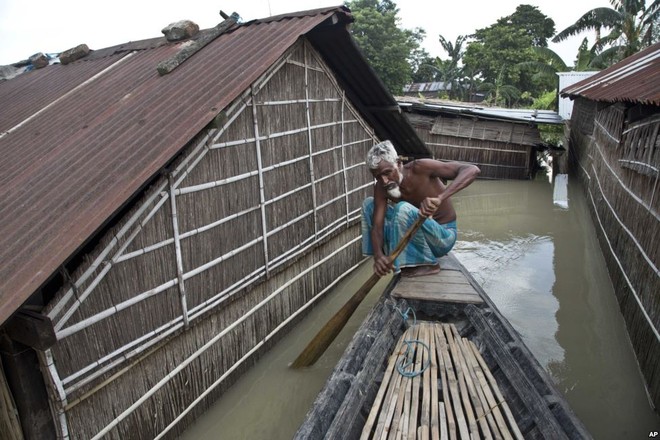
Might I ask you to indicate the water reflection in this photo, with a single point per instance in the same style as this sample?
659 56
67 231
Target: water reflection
543 268
518 275
270 401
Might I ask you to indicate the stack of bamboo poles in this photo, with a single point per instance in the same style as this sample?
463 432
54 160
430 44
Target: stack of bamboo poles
465 404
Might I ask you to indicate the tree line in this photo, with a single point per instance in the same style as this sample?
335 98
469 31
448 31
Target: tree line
507 63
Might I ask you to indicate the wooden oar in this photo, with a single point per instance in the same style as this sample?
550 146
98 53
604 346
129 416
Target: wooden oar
331 329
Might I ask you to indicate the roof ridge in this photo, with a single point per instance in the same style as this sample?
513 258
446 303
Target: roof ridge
186 51
307 13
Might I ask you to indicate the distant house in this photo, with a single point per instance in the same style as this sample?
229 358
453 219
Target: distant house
502 142
615 149
567 79
435 90
426 90
169 209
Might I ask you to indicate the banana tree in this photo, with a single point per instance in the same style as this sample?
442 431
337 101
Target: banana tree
629 27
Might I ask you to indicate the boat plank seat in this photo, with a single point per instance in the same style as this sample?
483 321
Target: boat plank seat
437 386
448 286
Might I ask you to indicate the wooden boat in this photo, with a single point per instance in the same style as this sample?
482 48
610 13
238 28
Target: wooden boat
468 374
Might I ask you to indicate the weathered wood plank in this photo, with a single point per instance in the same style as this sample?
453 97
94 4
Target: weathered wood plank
387 387
370 348
417 365
467 375
452 383
496 391
545 420
405 426
425 416
448 411
435 287
460 380
443 277
488 400
440 277
462 295
444 430
375 408
32 329
410 408
445 286
433 281
396 420
436 424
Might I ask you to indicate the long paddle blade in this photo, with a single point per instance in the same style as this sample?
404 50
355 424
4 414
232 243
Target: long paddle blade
331 329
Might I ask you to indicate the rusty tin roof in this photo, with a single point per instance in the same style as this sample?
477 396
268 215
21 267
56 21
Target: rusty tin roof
79 141
635 79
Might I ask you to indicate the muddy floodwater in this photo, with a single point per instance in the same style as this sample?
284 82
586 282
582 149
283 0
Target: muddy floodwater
271 400
542 267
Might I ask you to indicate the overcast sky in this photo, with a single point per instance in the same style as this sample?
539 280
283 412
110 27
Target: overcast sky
52 26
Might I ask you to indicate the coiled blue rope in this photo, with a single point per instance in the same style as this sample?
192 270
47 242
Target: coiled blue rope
407 358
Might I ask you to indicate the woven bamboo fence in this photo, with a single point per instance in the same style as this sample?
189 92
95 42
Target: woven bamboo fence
256 220
619 164
502 150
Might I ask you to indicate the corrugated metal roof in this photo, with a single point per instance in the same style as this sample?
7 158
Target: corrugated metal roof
635 79
426 87
474 110
79 141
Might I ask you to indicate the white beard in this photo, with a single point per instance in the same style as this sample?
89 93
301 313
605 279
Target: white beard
394 193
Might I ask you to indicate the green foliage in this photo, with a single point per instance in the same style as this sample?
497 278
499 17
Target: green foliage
533 22
504 56
586 59
497 52
547 101
427 70
552 134
452 72
394 53
447 71
629 24
499 93
544 67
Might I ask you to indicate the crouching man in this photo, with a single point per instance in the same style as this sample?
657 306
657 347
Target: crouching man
401 194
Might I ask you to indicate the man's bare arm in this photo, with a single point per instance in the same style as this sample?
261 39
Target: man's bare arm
461 175
382 264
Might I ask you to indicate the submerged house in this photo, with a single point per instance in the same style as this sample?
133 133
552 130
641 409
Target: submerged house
435 90
427 89
614 148
503 143
169 209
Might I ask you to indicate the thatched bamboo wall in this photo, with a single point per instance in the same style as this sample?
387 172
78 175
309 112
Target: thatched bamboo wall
618 162
254 222
502 150
10 425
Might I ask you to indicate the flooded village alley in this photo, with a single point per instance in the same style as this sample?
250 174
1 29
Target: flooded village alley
540 264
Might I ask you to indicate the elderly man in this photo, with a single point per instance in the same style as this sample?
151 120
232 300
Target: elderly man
401 194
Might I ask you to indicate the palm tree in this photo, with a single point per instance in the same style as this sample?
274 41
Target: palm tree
454 50
451 72
549 62
630 24
499 93
447 71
